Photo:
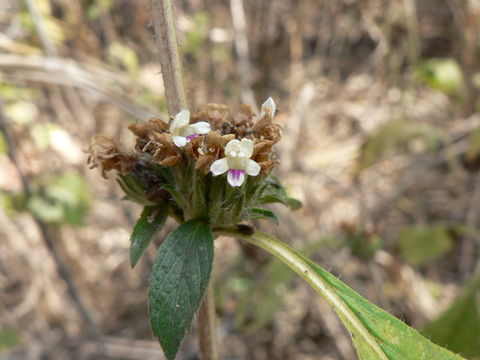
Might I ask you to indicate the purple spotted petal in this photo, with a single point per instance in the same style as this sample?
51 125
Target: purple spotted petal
190 137
236 177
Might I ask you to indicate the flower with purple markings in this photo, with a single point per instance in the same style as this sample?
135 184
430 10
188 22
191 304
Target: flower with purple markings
237 162
182 131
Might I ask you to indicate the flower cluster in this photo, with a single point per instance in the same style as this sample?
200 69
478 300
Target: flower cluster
196 158
212 140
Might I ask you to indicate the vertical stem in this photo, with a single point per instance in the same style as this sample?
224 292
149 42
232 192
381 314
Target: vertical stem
241 47
173 82
207 339
172 73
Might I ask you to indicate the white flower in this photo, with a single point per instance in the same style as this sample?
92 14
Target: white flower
182 131
268 107
237 162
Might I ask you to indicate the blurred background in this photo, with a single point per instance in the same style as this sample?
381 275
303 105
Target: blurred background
378 100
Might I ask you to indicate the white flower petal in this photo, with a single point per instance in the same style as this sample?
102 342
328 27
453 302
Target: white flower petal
219 167
246 146
180 120
252 168
180 141
201 127
233 145
268 107
235 180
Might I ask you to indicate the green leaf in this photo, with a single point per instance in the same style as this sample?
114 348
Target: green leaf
419 245
458 328
179 279
276 193
263 214
376 334
150 223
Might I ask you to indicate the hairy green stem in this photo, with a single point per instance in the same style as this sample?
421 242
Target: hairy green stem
302 267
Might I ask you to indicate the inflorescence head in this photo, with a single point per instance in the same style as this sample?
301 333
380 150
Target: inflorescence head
214 164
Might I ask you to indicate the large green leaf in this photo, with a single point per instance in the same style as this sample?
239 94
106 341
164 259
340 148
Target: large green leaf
148 225
376 334
458 328
179 279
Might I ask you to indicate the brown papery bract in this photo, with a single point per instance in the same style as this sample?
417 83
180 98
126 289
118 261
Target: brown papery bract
109 154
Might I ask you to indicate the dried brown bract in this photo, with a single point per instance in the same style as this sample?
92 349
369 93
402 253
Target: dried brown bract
110 155
163 150
215 114
144 130
266 129
213 148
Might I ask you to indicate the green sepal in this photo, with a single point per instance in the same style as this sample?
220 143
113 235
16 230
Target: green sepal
257 213
130 184
176 195
149 224
180 277
292 203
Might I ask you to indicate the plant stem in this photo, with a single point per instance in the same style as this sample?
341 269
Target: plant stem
207 326
166 35
175 92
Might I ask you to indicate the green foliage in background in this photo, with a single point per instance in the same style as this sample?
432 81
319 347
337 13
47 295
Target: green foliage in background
21 111
420 245
53 26
443 74
9 339
124 55
97 7
398 135
3 144
63 199
197 35
363 244
458 328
